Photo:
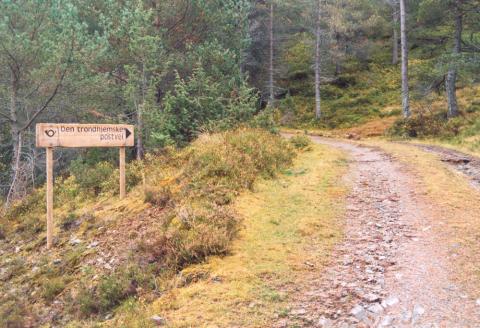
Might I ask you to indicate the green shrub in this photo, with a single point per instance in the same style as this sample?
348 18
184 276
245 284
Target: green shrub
34 201
198 104
265 120
211 171
159 197
86 301
301 142
13 312
473 107
52 287
426 123
133 177
68 221
222 164
31 224
110 292
89 178
194 234
268 152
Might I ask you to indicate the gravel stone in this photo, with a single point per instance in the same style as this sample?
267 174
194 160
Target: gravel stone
358 312
376 308
158 320
370 297
406 316
391 301
324 322
387 321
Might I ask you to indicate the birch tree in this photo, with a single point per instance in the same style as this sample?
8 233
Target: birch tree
451 78
395 18
403 37
271 91
318 39
39 44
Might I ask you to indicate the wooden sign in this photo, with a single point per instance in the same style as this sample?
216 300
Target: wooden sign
84 135
50 135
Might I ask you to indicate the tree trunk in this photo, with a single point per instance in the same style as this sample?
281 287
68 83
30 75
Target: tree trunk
12 191
140 148
403 37
271 91
395 34
140 108
451 79
318 34
16 137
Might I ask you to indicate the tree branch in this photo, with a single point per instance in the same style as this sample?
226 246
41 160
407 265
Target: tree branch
45 105
6 116
174 26
54 93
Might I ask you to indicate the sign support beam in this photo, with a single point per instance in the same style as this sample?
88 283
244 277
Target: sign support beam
49 197
71 135
122 173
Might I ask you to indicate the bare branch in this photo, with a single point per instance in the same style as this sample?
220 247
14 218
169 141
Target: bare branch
6 116
54 93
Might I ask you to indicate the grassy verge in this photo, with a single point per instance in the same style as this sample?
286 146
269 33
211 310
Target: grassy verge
457 208
287 222
109 252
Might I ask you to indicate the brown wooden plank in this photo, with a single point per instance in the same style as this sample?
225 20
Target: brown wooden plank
84 135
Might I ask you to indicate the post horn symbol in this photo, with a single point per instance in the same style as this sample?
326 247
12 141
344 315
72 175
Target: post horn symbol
50 133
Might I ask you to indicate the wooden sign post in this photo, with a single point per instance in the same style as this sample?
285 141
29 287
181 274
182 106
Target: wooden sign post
81 136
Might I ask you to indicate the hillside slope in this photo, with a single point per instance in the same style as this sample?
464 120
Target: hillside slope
110 251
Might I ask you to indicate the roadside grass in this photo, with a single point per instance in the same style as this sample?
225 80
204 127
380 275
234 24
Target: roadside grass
287 222
457 208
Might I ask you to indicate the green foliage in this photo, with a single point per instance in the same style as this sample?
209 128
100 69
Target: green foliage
133 176
53 286
108 294
265 120
298 57
201 104
111 291
89 178
425 123
13 312
160 197
68 221
101 178
214 168
301 142
232 161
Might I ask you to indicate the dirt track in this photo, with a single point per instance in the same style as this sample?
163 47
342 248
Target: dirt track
392 270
